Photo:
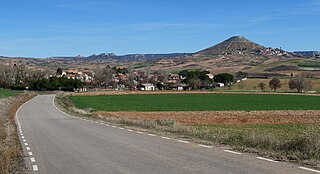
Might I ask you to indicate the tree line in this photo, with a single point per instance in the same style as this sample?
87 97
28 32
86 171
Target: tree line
299 84
19 77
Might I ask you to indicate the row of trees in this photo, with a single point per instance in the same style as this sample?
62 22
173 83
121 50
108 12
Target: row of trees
196 79
200 79
299 83
19 77
56 83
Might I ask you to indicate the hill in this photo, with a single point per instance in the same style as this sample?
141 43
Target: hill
232 55
235 44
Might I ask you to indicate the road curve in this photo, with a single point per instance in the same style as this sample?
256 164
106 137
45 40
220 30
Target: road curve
54 142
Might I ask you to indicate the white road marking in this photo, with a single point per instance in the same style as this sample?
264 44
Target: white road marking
308 169
121 128
152 135
181 141
266 159
35 167
96 122
139 132
129 130
202 145
102 123
230 151
167 138
113 126
107 125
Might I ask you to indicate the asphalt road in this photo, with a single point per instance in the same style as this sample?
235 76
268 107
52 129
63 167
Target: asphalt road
58 143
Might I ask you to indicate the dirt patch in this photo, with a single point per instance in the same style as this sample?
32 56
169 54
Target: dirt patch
11 155
224 117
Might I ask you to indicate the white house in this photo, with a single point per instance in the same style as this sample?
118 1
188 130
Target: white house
220 85
147 87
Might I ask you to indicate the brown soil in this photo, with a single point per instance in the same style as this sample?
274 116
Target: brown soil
224 117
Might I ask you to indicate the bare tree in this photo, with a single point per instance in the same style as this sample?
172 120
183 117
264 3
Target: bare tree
262 86
300 84
274 84
195 83
104 76
241 86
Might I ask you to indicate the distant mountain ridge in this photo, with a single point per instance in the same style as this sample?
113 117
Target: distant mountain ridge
138 57
236 46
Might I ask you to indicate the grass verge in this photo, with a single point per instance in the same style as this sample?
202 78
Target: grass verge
11 155
286 142
7 93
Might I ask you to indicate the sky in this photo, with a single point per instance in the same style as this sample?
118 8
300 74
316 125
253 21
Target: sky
46 28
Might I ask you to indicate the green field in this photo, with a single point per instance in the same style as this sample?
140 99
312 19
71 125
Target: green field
310 64
196 102
7 93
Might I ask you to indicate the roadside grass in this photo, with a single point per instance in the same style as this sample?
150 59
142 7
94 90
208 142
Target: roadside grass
285 142
11 155
196 102
7 93
297 142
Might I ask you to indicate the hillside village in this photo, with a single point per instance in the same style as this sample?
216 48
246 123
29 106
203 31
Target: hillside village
118 78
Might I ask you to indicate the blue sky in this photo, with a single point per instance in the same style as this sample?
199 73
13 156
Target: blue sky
43 28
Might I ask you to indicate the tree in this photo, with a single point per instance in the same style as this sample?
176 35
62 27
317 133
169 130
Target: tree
195 83
104 76
59 71
223 78
196 78
262 86
241 86
274 84
300 84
